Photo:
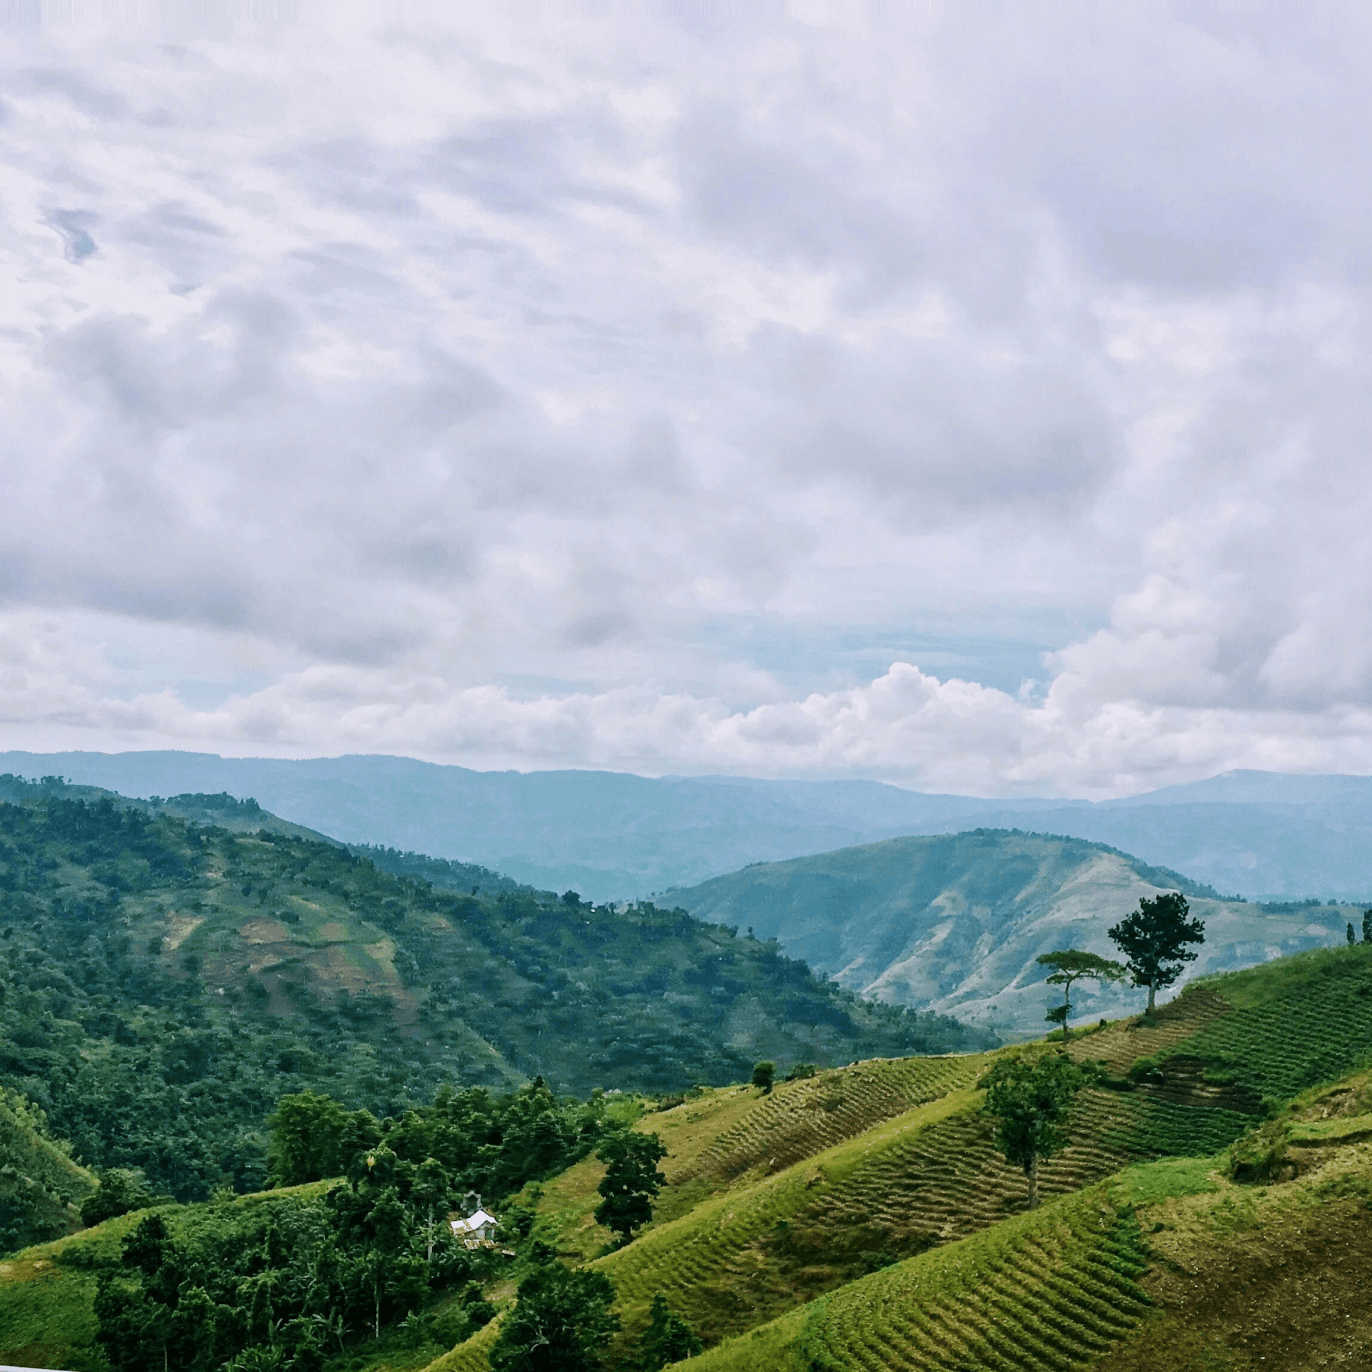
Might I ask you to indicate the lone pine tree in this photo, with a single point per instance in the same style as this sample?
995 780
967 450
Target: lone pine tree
1154 941
1070 965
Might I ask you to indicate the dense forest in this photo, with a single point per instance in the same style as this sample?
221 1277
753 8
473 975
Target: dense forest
164 982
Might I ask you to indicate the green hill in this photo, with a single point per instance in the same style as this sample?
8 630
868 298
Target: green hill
40 1185
166 980
861 1218
767 1209
954 923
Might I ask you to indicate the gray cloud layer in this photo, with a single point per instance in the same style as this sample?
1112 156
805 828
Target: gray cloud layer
452 387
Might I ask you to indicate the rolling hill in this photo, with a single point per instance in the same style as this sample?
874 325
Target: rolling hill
862 1219
771 1227
955 923
165 981
614 836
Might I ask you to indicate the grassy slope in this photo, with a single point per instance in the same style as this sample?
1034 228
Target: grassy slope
756 1219
1167 1266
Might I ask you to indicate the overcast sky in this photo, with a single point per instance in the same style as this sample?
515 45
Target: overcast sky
972 396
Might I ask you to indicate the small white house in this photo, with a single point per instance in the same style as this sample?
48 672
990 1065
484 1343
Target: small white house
478 1227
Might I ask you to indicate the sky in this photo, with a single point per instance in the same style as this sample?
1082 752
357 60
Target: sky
969 396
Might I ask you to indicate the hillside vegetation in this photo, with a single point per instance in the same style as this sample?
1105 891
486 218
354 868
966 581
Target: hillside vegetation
770 1206
40 1185
861 1217
165 981
956 923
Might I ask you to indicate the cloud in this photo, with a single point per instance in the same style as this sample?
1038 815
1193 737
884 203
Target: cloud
475 387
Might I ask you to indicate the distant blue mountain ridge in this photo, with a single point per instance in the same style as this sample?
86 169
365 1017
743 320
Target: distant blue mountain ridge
613 835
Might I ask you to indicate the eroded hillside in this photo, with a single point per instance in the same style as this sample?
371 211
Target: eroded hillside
955 923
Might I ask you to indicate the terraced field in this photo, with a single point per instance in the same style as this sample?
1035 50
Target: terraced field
728 1136
1121 1044
696 1260
470 1356
926 1178
1270 1031
1047 1290
803 1118
948 1180
785 1208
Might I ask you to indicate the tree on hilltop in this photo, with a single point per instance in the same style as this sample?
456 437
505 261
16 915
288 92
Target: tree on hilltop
1068 966
1154 941
1031 1106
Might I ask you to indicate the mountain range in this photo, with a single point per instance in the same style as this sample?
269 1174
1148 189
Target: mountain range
614 836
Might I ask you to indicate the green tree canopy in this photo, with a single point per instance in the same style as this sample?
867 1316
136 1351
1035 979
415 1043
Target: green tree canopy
121 1189
667 1339
631 1181
560 1323
1069 965
1154 941
764 1074
313 1137
1031 1104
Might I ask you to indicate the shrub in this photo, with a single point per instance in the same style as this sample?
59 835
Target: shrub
1260 1157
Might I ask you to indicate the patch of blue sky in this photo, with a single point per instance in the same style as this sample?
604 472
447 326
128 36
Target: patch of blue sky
1008 653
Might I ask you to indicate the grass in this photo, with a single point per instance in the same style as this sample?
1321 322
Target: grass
1247 1278
759 1217
728 1137
1274 1030
469 1356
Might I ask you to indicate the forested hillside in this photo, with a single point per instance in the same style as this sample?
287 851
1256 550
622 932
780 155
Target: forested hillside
164 982
955 922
